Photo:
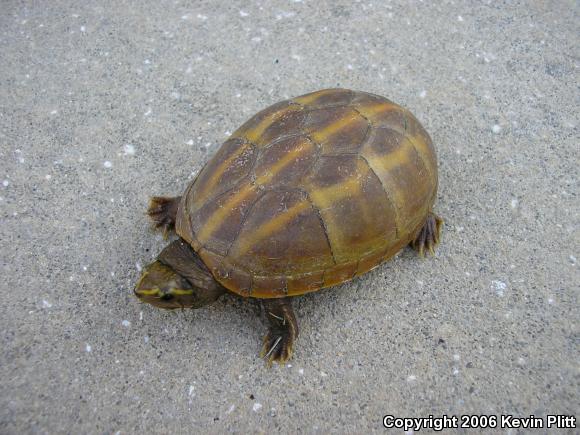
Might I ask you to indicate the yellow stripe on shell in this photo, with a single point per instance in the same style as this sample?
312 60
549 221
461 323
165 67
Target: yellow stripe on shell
371 110
311 98
323 134
254 134
394 158
425 153
246 242
217 218
219 171
288 158
383 165
324 198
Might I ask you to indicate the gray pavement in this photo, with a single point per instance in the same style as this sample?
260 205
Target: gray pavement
105 103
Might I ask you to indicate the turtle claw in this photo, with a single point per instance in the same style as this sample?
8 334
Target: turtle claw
278 344
429 236
163 211
278 347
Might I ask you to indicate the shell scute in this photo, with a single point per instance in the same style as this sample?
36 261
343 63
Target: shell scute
283 234
240 280
268 286
285 162
287 124
267 120
305 282
340 273
370 261
217 223
232 163
394 159
382 114
338 130
340 188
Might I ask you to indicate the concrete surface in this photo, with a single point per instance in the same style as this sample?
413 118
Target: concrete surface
105 103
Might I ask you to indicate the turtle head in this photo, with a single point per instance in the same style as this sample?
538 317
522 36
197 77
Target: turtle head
177 279
163 287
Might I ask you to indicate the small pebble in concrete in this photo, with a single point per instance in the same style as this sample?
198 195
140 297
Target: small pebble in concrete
129 149
499 287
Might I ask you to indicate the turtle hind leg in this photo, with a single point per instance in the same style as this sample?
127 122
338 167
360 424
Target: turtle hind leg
429 236
163 212
279 341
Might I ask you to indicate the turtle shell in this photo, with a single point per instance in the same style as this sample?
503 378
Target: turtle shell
310 193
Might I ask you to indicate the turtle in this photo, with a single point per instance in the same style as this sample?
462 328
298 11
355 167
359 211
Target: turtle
307 194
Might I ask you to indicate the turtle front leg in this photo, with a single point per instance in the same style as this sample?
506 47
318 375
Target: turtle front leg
163 212
428 237
279 341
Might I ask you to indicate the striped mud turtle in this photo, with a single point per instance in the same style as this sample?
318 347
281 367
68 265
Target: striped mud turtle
309 193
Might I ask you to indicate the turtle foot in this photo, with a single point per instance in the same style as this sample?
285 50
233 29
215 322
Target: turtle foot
429 236
163 212
279 341
278 347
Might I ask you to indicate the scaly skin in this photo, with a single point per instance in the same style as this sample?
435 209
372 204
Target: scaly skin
278 343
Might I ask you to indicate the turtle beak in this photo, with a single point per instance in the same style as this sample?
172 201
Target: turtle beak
162 287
